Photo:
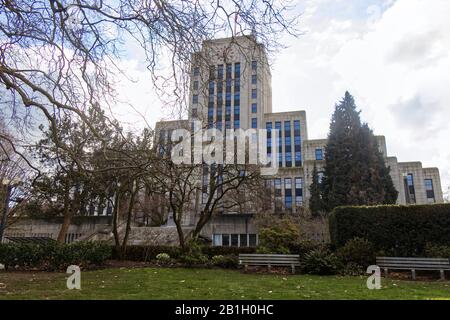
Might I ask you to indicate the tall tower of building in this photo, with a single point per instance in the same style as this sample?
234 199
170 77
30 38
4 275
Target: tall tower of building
230 84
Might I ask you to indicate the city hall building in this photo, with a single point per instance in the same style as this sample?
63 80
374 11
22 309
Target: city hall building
230 88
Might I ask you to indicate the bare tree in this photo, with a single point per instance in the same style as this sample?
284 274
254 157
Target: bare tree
59 57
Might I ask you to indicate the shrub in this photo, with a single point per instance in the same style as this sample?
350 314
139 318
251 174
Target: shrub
437 251
397 230
302 247
163 258
278 238
223 251
321 262
358 251
54 256
194 259
147 253
352 269
228 262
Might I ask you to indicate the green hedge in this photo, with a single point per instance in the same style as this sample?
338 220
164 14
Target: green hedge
225 251
148 253
54 256
395 230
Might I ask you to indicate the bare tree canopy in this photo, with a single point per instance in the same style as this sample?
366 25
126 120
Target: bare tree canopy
59 58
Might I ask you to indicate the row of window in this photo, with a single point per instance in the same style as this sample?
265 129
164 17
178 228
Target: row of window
237 69
235 240
289 194
291 156
411 192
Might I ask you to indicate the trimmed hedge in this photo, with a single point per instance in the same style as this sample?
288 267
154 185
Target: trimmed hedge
148 253
53 256
225 251
395 230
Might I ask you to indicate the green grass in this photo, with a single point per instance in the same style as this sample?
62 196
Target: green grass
162 283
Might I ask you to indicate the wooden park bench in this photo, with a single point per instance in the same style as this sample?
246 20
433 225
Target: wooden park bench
413 264
269 260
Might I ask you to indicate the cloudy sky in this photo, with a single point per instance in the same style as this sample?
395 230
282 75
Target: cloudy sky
392 55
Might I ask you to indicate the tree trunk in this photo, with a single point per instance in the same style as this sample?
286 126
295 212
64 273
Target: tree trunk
115 217
128 226
67 217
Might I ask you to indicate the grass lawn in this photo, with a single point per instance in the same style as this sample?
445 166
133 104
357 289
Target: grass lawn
161 283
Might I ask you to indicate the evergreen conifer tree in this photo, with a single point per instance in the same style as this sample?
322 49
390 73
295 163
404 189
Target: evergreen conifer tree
355 171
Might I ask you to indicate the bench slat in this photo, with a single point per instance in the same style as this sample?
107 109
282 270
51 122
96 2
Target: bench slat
400 263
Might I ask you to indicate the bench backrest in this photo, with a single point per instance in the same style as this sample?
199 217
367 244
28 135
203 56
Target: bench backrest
272 259
417 263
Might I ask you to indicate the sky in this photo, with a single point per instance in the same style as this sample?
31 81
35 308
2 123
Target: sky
393 56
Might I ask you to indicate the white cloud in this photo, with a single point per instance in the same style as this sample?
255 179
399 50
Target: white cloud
394 59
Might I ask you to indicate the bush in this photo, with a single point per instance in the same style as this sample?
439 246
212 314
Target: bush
194 259
302 247
163 258
397 230
223 251
352 269
54 256
228 262
437 251
194 256
321 262
147 253
278 238
358 251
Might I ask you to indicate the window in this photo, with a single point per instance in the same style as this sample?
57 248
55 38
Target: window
288 193
234 240
411 192
319 154
254 65
237 85
254 108
195 85
194 112
269 140
279 141
254 79
298 192
254 94
237 124
254 123
429 190
228 72
226 240
220 71
237 70
278 201
252 240
277 187
297 144
196 71
287 143
243 240
217 240
195 99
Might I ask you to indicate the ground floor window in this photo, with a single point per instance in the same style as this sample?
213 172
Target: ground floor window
235 240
